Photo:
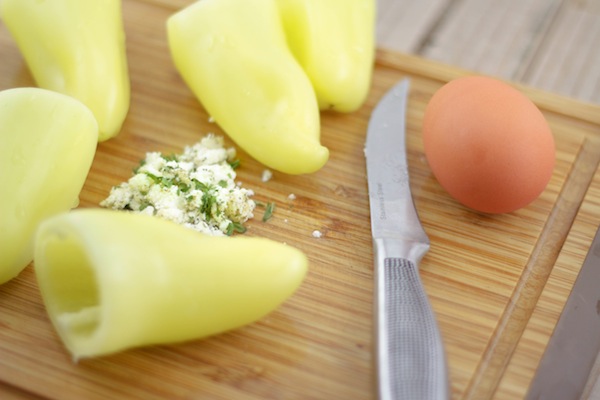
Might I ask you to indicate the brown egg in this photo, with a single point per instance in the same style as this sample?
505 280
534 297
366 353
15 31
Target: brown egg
487 144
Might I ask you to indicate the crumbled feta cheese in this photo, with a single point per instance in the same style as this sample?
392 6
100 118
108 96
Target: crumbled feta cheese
267 175
196 189
292 196
317 234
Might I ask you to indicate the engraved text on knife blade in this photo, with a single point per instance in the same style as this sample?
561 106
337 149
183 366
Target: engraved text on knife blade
399 178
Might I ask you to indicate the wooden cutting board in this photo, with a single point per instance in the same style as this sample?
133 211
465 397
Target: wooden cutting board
496 283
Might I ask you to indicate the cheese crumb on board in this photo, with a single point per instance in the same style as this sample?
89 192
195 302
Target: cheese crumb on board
317 234
196 189
266 175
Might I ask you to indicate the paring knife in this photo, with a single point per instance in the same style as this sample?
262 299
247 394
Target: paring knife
410 356
570 355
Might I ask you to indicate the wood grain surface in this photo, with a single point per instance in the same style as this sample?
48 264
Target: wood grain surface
496 283
548 44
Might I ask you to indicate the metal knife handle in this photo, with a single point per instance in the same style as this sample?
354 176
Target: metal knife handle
411 359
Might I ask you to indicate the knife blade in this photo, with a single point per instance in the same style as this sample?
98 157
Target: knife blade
571 352
409 353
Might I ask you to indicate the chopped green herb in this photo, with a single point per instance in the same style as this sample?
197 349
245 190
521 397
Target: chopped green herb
235 164
200 186
208 201
235 227
166 182
269 209
170 157
183 188
154 178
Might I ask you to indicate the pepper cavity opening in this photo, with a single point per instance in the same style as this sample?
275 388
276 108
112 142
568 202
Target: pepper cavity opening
71 285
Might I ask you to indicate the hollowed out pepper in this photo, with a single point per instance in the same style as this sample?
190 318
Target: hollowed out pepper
113 280
47 144
234 56
76 47
334 41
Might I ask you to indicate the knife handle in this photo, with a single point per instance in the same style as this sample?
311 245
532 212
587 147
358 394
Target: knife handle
411 359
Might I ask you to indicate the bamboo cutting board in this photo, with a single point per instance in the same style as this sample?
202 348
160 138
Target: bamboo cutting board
496 283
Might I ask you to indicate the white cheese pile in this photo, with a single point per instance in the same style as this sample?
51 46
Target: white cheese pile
196 189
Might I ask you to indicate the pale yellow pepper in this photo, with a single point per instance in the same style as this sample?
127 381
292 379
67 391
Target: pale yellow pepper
47 144
234 56
76 47
334 41
113 280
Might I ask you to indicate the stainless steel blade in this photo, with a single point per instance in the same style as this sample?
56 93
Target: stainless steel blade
569 356
410 357
393 214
